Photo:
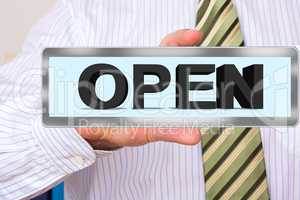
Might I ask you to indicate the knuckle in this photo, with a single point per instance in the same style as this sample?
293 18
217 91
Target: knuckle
194 138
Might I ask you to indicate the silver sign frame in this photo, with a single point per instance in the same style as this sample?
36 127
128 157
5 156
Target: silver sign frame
171 52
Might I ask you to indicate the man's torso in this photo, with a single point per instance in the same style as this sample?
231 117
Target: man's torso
171 171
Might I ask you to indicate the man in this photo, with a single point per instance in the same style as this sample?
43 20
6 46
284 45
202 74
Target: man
34 158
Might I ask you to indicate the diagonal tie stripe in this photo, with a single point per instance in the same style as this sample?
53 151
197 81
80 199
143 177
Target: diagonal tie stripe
234 166
218 21
260 192
229 163
235 184
228 170
230 154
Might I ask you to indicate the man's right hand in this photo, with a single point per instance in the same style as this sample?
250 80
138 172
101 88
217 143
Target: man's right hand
113 138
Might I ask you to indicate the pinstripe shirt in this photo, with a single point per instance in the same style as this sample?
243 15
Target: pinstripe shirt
34 158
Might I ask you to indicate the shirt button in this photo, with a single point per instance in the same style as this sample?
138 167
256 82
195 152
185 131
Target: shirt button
78 160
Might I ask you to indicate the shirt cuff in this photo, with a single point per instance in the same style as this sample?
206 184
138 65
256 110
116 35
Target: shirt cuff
65 148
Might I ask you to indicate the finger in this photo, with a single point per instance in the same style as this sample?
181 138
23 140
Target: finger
127 136
141 136
93 133
104 145
187 136
184 37
114 136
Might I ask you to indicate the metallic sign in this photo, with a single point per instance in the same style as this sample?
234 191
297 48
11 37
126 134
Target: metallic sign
170 87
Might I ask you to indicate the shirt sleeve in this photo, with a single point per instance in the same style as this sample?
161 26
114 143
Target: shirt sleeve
34 158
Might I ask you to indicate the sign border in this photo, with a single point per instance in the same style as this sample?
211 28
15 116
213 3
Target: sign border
171 52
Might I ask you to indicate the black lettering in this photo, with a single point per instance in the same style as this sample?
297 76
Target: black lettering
183 86
87 84
247 89
140 88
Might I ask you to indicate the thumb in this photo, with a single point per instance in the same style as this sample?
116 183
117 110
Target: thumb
184 37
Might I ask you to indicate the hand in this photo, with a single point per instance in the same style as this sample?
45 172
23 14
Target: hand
113 138
183 37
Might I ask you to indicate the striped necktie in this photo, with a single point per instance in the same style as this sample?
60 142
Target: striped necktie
233 158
